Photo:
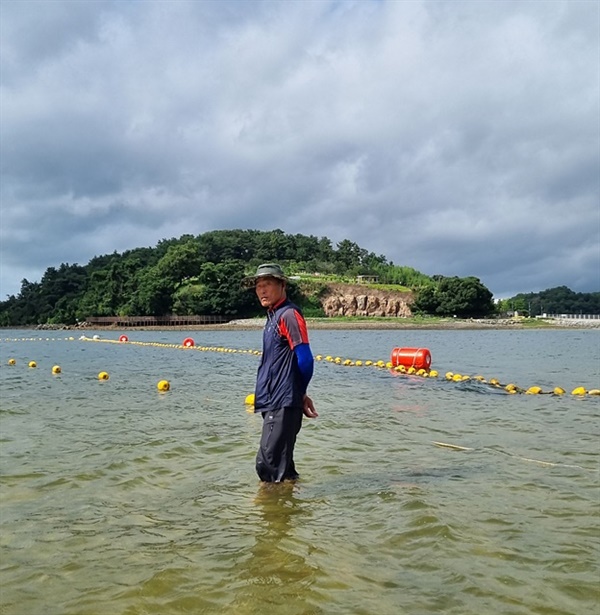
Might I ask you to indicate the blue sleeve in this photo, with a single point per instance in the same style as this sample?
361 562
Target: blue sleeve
306 362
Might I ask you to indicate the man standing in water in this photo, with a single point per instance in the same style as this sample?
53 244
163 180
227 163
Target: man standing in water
285 370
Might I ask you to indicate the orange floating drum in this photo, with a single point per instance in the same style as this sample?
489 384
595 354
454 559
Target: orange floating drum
188 342
419 358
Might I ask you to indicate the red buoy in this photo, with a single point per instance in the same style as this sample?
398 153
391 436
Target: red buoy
419 358
188 342
123 338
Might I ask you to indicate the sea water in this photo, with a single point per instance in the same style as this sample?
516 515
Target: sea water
417 495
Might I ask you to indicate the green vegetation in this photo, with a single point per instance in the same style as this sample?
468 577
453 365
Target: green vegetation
462 297
559 300
203 275
535 323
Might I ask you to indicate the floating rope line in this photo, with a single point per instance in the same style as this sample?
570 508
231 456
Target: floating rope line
510 388
456 447
164 385
189 344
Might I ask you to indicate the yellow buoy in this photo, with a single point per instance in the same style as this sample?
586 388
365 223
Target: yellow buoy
449 375
358 363
103 376
56 369
578 391
318 357
594 392
433 373
558 391
12 362
32 364
533 391
249 401
457 377
163 385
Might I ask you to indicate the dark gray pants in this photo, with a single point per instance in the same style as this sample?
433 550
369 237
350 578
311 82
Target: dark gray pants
275 457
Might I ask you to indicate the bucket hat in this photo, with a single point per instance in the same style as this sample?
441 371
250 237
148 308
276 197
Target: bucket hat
267 270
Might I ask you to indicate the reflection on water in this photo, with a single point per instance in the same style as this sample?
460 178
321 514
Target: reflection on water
275 575
415 496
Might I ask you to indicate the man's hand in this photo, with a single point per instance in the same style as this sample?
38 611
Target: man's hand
309 408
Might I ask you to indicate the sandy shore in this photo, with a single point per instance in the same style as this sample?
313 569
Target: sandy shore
358 324
398 323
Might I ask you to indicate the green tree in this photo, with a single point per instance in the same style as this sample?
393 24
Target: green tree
190 299
202 274
558 300
403 276
180 262
224 290
462 297
348 256
154 295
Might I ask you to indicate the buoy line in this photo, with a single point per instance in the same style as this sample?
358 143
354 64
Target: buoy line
38 339
188 344
510 388
164 386
400 363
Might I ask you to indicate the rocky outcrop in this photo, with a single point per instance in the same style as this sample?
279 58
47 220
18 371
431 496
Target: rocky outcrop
358 300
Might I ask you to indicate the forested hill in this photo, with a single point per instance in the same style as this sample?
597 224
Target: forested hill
559 300
203 275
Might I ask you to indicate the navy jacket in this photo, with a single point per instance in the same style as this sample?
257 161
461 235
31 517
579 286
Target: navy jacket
280 383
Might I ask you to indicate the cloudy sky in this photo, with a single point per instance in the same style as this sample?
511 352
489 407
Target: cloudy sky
458 138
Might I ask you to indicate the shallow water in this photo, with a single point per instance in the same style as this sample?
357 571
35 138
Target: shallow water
119 499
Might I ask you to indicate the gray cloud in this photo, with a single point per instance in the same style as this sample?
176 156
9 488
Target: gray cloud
458 139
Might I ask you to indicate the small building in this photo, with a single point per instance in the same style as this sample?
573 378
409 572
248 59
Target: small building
367 279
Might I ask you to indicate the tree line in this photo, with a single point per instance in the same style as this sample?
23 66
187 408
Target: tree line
203 275
559 300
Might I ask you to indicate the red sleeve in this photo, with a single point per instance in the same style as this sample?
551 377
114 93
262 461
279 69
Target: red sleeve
293 327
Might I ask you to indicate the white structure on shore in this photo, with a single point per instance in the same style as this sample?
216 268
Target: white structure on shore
571 316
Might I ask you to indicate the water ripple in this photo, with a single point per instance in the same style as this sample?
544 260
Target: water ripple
416 497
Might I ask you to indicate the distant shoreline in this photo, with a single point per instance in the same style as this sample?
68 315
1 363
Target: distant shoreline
350 324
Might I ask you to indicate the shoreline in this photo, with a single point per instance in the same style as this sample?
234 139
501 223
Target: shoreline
337 324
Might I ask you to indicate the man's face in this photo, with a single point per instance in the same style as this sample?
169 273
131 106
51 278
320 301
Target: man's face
269 291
